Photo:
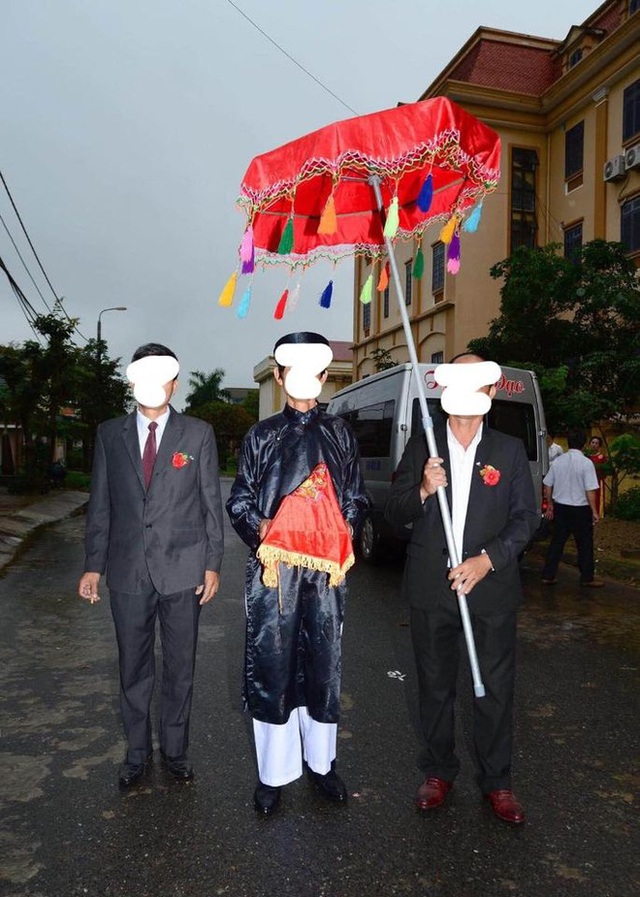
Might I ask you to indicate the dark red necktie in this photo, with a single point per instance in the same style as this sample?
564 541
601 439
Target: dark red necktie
149 453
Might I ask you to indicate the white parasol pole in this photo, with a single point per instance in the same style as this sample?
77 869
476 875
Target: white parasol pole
427 423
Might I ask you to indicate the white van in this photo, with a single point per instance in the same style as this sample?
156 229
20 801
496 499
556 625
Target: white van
384 412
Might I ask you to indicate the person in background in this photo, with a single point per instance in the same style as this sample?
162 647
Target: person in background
155 525
294 625
571 490
595 452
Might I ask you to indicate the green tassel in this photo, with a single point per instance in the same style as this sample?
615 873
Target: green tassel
367 290
286 240
418 265
393 219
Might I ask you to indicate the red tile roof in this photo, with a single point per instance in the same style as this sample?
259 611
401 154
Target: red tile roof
506 66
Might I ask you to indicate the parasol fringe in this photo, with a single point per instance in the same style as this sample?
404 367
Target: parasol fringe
328 219
383 281
426 194
367 290
447 231
470 226
325 298
226 296
270 557
286 240
418 264
278 313
393 219
247 251
245 302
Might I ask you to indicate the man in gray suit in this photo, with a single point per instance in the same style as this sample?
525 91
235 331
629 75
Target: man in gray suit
154 524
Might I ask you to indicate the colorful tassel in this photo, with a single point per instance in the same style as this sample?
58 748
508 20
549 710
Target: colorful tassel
245 302
325 298
472 222
383 281
226 296
453 255
328 219
418 264
367 290
278 314
393 219
286 240
426 194
448 230
247 251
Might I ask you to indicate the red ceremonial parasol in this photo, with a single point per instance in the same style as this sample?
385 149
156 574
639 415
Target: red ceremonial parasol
355 187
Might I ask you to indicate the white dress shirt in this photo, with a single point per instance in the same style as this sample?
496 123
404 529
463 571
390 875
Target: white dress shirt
571 476
143 428
462 462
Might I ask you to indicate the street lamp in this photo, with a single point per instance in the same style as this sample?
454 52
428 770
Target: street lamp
99 329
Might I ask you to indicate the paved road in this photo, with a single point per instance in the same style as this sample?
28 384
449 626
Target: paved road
68 831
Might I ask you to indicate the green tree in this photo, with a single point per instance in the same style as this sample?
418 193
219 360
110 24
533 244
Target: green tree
576 323
382 359
230 424
205 388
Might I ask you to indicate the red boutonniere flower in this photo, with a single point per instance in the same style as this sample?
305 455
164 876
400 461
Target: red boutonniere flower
490 475
181 459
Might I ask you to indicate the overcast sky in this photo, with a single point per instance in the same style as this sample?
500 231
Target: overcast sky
127 125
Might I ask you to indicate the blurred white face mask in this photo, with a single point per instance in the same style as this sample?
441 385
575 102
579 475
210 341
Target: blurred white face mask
149 377
306 362
461 383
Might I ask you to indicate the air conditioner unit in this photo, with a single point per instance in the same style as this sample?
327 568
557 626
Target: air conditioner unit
632 157
614 169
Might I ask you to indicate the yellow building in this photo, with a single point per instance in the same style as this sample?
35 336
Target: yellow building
568 115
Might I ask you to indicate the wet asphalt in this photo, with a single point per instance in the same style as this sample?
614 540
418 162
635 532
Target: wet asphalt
67 830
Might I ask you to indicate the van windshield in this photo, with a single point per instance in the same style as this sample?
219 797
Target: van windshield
514 418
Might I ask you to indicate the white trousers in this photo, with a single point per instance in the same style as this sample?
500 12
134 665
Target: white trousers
280 749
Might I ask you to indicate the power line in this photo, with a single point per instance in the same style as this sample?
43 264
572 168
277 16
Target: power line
291 58
27 308
24 264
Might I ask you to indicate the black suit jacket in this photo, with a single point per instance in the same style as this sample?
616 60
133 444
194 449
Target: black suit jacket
501 519
170 533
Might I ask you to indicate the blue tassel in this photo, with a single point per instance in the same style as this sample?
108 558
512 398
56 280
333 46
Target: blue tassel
325 299
245 302
426 195
470 226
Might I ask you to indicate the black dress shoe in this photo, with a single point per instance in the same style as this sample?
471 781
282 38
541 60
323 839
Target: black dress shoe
130 773
266 798
331 785
179 767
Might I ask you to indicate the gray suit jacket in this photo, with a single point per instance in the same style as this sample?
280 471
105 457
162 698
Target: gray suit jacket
170 533
501 519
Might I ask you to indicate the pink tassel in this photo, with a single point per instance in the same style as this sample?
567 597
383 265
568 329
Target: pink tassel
247 251
453 254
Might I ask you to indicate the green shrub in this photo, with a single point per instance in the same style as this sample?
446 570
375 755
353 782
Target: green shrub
627 506
76 479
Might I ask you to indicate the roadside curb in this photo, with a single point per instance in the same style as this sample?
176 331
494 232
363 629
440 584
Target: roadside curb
17 525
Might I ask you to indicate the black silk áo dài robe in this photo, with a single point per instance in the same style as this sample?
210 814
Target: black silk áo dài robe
293 635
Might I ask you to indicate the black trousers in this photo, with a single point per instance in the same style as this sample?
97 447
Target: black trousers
569 520
436 636
134 617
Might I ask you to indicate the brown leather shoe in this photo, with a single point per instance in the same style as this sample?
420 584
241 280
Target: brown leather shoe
432 793
593 584
505 806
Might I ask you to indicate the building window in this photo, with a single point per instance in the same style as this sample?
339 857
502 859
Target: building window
437 357
408 281
385 302
437 268
630 224
366 318
575 57
524 225
573 242
634 6
574 150
631 111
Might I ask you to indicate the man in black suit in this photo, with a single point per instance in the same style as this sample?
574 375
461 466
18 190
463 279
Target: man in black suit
490 491
154 523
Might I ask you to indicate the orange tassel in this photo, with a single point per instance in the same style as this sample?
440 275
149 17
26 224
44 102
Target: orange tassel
446 234
383 282
328 219
226 296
